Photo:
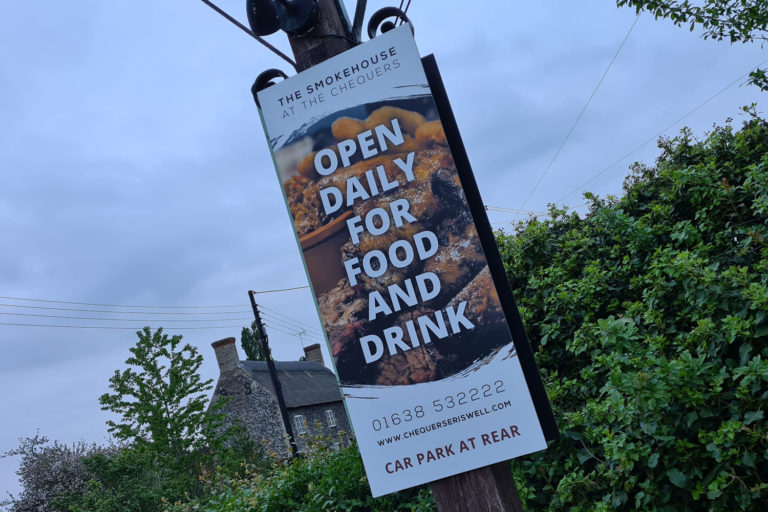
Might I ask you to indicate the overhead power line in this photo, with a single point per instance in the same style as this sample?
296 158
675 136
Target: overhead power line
546 213
168 328
282 290
272 311
298 334
123 312
280 330
282 322
294 323
578 118
659 134
63 317
407 5
513 211
277 290
291 326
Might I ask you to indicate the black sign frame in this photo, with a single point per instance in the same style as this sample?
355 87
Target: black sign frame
488 241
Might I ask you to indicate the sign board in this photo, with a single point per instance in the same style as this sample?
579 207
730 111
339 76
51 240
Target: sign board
432 378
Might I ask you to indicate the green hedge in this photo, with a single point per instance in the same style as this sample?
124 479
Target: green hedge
326 480
649 321
648 316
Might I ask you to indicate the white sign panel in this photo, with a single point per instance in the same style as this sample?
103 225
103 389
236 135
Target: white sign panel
429 371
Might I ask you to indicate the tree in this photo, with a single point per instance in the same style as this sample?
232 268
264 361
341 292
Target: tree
168 441
735 20
50 473
168 436
250 340
160 396
650 320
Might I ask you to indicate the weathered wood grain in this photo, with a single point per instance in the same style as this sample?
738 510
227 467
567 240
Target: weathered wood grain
486 489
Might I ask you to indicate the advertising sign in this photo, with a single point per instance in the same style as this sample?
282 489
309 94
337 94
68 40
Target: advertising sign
429 370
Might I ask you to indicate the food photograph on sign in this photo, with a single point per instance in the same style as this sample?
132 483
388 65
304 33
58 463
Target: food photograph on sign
405 293
421 346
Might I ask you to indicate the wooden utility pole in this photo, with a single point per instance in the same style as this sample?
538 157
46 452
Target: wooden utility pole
330 36
486 489
273 373
490 489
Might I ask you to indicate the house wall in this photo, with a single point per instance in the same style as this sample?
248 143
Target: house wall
317 423
256 409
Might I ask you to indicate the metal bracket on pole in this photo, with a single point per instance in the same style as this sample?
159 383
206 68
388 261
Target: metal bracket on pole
357 24
264 80
377 20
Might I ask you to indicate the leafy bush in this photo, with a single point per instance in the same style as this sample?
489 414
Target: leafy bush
61 478
135 479
50 474
650 320
322 479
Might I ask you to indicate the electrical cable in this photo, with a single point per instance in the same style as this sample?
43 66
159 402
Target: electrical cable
578 118
152 307
265 308
573 208
280 319
124 319
281 330
655 137
406 9
292 323
167 328
292 328
282 290
513 211
123 312
250 33
120 328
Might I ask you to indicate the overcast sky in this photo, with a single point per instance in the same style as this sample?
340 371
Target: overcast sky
134 169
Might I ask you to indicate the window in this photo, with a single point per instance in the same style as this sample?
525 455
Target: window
330 417
300 423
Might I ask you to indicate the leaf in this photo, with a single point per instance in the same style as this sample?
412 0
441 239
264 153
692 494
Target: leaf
583 455
744 351
752 416
653 460
677 477
748 459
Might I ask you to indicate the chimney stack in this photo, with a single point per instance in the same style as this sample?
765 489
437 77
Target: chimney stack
313 353
226 354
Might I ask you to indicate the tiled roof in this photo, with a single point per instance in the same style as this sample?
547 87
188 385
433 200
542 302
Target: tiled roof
303 382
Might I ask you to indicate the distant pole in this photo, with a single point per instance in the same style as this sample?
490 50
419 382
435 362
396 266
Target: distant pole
273 372
301 339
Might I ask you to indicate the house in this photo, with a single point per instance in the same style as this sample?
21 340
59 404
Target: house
310 391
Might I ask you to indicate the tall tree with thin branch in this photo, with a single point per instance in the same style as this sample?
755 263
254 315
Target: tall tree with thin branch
250 341
160 397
